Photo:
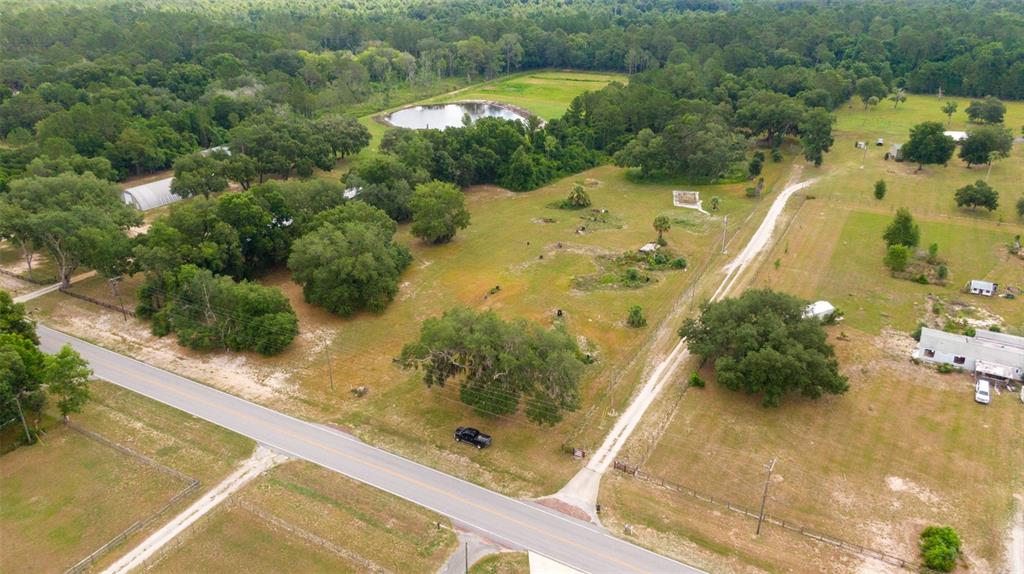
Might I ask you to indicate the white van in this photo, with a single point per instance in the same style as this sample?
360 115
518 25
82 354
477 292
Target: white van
982 392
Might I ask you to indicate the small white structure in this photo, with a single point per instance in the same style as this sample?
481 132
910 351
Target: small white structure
956 135
880 141
987 353
986 288
150 195
861 145
649 248
895 152
819 310
688 199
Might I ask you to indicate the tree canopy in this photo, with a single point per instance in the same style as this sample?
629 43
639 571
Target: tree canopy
349 261
928 145
986 144
438 211
211 312
977 194
762 344
902 230
499 364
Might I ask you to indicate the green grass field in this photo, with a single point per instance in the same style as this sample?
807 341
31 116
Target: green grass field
905 447
271 526
546 94
68 495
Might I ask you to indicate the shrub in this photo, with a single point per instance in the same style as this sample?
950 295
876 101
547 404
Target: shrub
970 332
636 317
922 279
880 189
942 272
696 381
776 155
940 547
916 333
751 192
945 368
678 263
897 257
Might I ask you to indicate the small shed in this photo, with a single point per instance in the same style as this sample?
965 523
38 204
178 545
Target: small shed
150 195
649 248
895 152
861 145
880 141
986 288
956 135
819 310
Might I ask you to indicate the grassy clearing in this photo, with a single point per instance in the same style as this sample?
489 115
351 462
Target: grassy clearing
546 94
364 527
64 498
69 495
502 563
906 447
503 246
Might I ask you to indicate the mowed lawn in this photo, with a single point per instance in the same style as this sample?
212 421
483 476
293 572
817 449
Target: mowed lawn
275 524
65 497
546 94
906 447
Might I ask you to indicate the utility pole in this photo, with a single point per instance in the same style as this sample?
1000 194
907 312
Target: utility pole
764 497
465 546
330 370
725 227
21 415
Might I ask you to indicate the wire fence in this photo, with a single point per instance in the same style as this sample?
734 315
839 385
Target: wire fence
791 526
192 485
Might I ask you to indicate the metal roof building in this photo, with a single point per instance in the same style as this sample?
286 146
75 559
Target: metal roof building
987 353
151 195
982 287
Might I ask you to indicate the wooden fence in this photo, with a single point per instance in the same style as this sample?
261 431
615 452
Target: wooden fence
27 278
850 547
192 485
99 302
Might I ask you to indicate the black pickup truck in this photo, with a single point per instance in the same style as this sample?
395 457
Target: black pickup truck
472 436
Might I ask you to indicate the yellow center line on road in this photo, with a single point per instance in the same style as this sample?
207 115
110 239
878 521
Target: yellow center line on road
315 443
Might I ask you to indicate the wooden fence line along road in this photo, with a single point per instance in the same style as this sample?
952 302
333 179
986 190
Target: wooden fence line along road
101 303
192 485
850 547
26 278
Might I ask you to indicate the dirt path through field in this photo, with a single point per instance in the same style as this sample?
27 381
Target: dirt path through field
581 491
263 459
1015 540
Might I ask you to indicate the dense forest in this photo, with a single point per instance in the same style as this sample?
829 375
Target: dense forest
91 94
141 84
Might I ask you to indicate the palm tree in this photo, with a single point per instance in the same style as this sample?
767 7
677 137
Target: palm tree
661 225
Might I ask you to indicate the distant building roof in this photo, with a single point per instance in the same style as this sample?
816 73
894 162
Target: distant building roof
649 247
983 285
151 195
956 135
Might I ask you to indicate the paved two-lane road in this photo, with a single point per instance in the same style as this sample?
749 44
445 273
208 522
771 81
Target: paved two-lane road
574 543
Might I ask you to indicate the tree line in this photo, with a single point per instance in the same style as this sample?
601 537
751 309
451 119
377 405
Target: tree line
141 85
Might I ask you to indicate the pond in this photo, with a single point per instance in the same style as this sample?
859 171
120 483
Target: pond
442 116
